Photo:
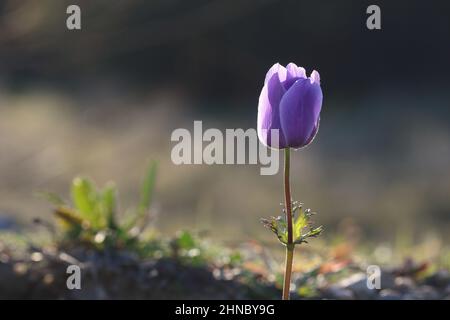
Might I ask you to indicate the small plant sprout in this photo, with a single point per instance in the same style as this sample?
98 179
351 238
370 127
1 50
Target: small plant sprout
91 218
290 103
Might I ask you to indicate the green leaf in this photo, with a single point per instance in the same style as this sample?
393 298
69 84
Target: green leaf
88 202
147 189
299 223
109 204
186 241
138 215
70 221
236 258
278 226
312 233
301 220
84 196
53 198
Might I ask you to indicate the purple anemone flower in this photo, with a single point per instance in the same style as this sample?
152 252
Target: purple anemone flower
289 102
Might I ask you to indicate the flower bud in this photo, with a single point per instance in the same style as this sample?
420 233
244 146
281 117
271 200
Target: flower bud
289 102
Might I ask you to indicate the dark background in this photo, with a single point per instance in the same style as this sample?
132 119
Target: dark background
220 50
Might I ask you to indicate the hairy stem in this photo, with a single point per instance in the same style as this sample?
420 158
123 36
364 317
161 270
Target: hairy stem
288 212
288 271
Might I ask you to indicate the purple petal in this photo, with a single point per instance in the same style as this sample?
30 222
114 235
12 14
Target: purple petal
314 132
315 77
276 69
293 71
300 111
268 109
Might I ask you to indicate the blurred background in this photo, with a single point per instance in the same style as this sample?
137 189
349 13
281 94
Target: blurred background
104 100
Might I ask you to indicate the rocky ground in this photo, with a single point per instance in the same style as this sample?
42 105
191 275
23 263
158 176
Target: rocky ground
42 275
394 286
120 276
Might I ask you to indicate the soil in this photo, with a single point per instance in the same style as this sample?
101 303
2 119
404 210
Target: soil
112 275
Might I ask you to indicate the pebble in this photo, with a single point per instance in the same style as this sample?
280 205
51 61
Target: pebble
387 280
335 292
422 293
439 279
357 284
447 290
389 294
404 284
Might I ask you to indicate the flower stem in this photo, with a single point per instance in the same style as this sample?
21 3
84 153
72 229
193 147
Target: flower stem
288 212
288 271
